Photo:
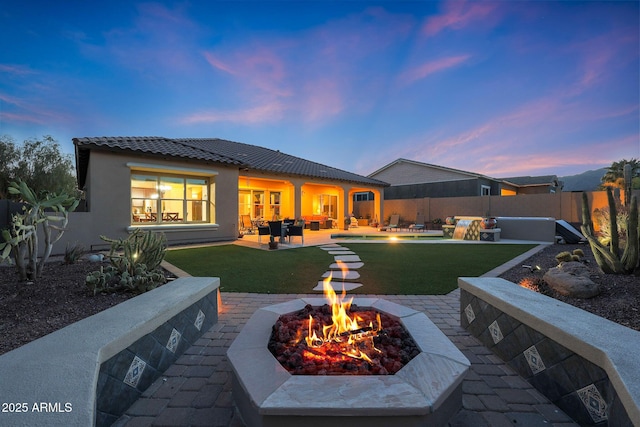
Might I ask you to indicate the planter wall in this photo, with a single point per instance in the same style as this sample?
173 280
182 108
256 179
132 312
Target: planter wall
90 372
584 364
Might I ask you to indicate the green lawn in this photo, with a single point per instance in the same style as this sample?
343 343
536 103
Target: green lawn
406 269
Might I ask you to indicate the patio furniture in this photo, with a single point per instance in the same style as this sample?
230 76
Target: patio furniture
276 229
263 230
246 225
353 222
296 230
419 224
393 222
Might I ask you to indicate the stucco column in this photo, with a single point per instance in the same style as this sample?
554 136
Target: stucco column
346 205
378 204
297 197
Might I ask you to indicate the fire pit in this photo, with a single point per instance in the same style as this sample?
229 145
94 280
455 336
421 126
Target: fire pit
341 339
425 391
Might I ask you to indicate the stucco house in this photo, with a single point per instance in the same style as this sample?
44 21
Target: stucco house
410 179
543 184
194 190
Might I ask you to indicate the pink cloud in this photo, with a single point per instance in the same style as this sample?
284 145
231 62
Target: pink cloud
460 14
428 68
12 117
322 98
260 114
313 74
18 70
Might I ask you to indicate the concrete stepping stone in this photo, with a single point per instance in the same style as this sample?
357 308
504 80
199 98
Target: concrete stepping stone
348 265
342 275
331 247
338 286
341 253
347 258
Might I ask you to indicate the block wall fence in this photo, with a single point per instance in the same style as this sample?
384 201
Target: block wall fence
566 206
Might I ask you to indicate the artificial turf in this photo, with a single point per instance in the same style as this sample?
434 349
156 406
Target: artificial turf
389 268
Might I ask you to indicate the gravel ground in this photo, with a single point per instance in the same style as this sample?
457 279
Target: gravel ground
620 297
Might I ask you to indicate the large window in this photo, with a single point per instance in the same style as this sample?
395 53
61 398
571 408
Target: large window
163 199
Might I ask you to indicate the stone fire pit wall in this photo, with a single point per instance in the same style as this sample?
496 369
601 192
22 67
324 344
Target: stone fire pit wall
586 365
426 391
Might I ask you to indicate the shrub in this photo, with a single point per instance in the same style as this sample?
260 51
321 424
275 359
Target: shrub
73 253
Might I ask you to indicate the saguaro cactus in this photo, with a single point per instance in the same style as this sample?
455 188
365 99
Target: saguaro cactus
608 258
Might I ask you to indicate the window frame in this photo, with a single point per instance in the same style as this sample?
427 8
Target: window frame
184 174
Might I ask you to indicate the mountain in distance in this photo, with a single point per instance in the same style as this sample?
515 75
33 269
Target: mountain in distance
585 181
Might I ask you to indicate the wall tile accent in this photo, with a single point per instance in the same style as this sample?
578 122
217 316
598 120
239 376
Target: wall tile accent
199 320
496 333
174 339
593 401
135 372
577 386
534 360
126 375
471 316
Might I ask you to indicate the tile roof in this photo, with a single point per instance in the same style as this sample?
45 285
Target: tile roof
532 180
219 151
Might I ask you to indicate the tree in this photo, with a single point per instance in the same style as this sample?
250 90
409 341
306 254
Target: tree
39 163
614 177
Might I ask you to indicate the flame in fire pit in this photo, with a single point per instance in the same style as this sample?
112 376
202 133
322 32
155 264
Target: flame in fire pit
346 335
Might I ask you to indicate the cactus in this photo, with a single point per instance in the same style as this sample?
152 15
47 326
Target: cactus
608 256
563 257
134 264
21 240
138 248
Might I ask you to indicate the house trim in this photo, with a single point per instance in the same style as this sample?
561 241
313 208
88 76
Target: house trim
150 167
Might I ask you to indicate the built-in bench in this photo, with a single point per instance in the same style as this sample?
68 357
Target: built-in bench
538 229
315 222
586 365
90 372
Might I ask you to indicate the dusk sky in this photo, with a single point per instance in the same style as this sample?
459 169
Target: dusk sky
498 88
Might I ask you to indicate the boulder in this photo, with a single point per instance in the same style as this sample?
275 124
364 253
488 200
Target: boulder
571 279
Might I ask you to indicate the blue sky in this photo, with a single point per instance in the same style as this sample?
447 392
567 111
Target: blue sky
498 88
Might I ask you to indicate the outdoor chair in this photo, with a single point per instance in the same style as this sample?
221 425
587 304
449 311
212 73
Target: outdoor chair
275 228
296 230
419 224
263 230
353 222
393 222
246 225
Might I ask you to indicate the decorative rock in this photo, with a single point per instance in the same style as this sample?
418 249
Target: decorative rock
571 279
96 257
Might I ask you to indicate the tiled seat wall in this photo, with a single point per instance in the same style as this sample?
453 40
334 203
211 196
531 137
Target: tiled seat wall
577 386
126 375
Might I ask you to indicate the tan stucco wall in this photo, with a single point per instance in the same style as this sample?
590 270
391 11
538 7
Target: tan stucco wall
403 173
109 212
565 205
